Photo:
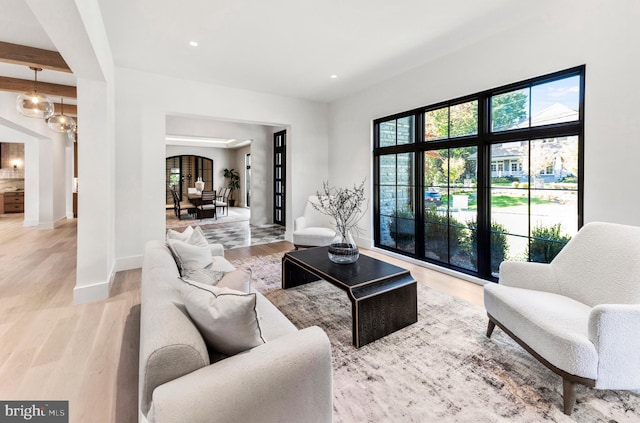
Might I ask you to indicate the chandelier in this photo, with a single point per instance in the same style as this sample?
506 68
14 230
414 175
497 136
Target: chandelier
61 122
33 104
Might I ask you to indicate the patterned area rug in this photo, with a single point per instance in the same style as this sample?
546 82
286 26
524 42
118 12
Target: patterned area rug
441 368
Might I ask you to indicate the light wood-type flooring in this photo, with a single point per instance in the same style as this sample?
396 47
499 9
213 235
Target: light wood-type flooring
51 349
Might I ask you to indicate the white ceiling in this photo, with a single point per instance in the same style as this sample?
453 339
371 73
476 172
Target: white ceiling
292 47
286 47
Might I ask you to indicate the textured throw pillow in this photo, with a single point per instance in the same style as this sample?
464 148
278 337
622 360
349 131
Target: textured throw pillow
207 276
239 280
190 256
227 319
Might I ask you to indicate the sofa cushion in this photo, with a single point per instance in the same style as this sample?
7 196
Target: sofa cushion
554 326
227 319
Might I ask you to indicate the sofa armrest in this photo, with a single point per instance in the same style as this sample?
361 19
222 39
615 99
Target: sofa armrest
528 275
217 250
615 331
286 379
299 223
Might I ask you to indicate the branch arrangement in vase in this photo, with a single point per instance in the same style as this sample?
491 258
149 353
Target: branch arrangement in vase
345 206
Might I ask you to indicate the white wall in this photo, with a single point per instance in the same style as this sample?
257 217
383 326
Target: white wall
143 101
599 35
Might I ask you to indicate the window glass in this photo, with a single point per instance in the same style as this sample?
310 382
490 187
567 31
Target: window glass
396 132
405 130
387 133
436 124
396 198
555 102
510 110
464 119
450 206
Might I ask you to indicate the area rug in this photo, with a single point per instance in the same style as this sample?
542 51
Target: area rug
440 369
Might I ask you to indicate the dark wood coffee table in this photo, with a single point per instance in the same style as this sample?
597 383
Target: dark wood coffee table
383 296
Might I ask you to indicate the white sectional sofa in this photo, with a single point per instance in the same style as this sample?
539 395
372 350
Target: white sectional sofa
286 379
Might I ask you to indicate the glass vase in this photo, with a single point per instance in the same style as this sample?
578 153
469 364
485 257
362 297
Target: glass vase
343 249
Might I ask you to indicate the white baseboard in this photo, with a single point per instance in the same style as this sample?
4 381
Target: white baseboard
127 263
70 216
90 293
51 224
28 223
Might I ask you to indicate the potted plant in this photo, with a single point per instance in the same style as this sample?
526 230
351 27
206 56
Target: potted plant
234 184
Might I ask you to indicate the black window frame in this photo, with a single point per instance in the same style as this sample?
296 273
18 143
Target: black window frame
483 140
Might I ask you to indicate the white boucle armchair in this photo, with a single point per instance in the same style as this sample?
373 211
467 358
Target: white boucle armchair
312 229
580 314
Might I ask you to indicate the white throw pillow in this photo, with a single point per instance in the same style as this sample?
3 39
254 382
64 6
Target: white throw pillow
190 256
180 236
227 319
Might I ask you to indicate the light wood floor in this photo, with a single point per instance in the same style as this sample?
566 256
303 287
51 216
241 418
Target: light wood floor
51 349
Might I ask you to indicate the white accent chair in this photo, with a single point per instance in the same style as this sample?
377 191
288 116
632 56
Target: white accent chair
580 314
312 229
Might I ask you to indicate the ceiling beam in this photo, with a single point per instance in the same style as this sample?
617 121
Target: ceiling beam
31 56
69 109
22 85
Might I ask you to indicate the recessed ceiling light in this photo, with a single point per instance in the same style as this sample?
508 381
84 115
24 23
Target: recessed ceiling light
193 43
334 76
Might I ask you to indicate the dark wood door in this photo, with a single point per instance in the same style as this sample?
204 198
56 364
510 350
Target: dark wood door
279 177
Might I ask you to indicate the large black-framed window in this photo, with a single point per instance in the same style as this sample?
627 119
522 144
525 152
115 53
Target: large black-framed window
496 175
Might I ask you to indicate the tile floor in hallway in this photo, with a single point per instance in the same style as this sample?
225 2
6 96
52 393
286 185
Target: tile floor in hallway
241 234
231 229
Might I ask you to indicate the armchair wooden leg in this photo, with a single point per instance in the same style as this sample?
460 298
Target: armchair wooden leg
569 395
490 328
